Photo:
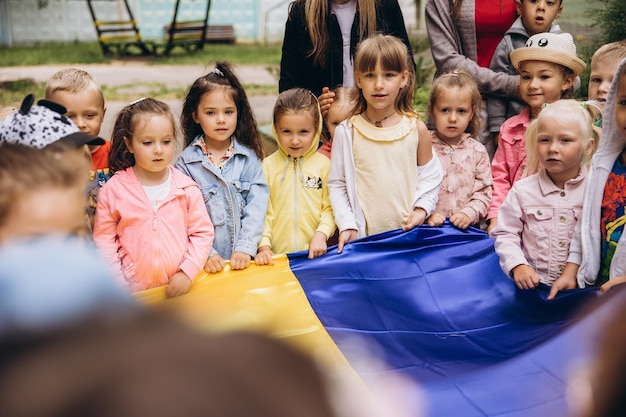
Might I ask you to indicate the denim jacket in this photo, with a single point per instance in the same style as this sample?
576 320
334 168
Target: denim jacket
235 196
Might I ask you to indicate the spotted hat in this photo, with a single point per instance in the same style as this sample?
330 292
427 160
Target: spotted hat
558 48
43 125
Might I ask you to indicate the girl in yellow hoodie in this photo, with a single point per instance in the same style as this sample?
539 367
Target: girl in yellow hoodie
299 216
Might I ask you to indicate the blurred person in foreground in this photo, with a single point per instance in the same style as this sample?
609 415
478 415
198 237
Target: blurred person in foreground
43 172
73 343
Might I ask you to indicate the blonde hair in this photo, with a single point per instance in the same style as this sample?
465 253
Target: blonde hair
74 81
26 170
393 56
317 12
611 51
571 112
343 95
464 81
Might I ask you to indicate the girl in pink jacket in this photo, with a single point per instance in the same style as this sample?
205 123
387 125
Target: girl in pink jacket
548 67
151 224
538 216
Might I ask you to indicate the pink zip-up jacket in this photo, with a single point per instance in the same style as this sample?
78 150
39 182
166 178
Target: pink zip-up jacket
509 162
145 246
536 224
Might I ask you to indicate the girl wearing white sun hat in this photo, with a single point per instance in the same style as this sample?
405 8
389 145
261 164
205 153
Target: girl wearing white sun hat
558 48
548 67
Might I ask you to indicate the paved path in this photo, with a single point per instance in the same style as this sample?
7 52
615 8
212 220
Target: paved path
123 73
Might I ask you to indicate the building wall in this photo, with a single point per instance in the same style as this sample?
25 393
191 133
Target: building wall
60 20
23 21
68 20
242 14
5 24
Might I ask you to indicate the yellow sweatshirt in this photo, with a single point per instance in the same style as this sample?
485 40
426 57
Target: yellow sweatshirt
299 204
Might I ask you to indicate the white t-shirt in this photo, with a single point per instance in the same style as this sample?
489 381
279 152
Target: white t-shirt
157 193
345 16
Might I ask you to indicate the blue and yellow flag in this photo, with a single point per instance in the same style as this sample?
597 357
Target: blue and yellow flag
434 302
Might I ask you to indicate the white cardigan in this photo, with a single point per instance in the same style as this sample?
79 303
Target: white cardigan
585 245
342 183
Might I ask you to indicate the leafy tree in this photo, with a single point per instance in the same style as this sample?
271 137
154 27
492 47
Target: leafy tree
610 16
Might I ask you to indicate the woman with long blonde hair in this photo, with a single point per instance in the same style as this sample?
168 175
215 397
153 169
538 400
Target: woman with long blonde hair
315 55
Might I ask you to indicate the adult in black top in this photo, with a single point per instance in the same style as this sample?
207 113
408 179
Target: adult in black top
298 67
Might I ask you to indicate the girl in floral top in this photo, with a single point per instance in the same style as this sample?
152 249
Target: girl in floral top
223 155
465 192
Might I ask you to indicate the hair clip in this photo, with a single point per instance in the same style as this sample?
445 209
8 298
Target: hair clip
136 101
454 73
583 104
314 96
218 72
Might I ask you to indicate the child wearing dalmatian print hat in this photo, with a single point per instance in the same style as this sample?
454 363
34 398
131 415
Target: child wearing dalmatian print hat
43 125
44 171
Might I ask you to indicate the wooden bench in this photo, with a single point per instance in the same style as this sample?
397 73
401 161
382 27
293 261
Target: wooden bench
220 33
191 31
188 35
118 37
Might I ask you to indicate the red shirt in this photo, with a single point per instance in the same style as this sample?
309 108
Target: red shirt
100 158
492 19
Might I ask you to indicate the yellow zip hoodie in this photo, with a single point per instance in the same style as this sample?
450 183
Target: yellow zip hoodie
299 204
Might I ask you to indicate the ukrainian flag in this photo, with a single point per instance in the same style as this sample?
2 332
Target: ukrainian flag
433 301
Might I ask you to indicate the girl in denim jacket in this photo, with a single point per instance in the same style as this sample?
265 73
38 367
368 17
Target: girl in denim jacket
223 155
537 218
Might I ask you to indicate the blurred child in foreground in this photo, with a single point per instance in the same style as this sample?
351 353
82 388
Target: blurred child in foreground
64 318
43 172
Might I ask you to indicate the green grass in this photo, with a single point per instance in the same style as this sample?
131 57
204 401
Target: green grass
52 53
90 53
242 54
12 92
